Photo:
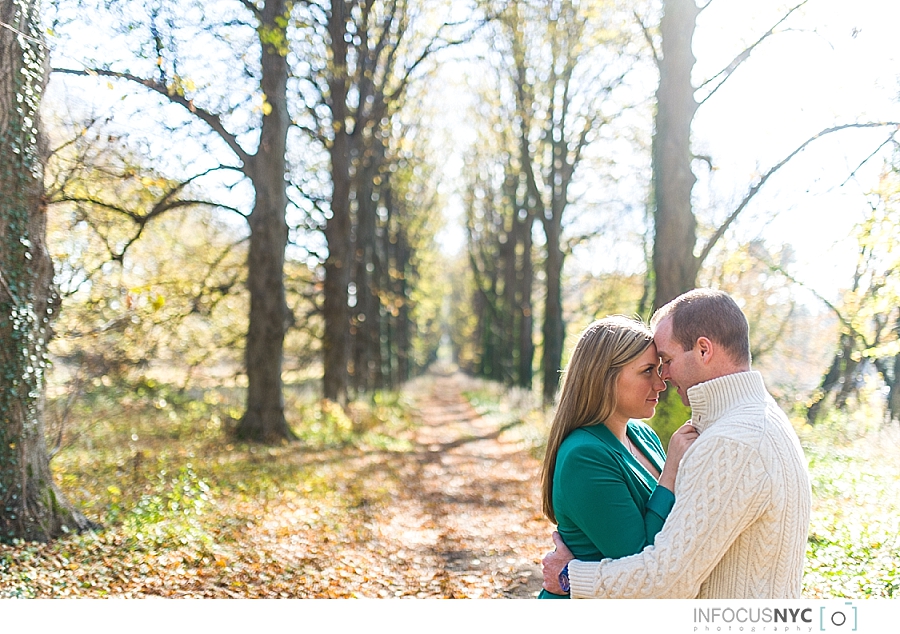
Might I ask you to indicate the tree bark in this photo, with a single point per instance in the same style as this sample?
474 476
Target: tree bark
270 317
554 327
366 322
31 506
335 340
525 306
674 264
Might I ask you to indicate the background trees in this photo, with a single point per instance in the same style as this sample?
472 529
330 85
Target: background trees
328 114
868 311
348 67
554 84
362 58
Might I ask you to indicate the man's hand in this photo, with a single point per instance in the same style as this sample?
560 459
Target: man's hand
553 563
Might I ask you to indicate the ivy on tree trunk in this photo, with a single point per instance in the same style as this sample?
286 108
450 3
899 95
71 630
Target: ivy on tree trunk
31 506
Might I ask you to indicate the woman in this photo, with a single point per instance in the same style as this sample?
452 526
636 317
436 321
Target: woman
606 482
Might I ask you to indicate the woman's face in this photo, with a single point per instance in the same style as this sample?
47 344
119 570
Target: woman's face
638 386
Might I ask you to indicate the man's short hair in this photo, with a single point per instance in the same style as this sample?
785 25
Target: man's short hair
704 312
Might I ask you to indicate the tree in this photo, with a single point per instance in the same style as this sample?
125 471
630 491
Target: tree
363 57
869 336
264 167
32 508
564 62
674 265
498 229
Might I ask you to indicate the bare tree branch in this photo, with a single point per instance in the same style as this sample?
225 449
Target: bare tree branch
762 181
840 316
252 8
647 36
726 72
869 157
212 120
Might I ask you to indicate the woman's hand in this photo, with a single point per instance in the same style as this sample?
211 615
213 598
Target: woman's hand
681 440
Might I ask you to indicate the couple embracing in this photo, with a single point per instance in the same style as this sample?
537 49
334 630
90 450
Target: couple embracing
725 515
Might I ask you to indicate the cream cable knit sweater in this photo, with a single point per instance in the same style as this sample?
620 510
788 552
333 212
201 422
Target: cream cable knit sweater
742 504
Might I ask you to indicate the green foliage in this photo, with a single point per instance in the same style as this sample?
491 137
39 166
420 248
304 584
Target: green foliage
671 414
168 514
174 295
377 423
854 537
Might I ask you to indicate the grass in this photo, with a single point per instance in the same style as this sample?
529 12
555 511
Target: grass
854 538
178 500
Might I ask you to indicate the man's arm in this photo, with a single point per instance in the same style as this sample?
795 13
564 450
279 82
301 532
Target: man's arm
721 489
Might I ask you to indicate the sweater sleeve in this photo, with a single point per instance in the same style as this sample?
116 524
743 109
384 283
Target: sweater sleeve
596 498
721 489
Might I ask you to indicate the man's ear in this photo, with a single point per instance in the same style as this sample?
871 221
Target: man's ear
704 348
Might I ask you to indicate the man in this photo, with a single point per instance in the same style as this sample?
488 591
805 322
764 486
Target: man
742 497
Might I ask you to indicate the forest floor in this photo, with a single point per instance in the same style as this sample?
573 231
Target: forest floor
450 508
430 492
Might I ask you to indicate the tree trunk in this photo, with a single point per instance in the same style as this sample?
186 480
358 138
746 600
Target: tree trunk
270 317
526 320
832 378
674 264
31 506
509 309
893 397
554 327
366 322
335 341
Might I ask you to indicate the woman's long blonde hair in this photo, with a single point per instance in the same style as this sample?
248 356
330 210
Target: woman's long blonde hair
588 395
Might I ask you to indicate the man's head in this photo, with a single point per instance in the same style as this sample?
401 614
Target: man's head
701 335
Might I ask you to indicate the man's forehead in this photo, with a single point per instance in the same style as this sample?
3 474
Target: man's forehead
662 335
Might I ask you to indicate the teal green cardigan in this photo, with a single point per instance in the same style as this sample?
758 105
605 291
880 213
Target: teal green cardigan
607 504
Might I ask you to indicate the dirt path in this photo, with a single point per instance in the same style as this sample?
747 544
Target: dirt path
455 516
469 507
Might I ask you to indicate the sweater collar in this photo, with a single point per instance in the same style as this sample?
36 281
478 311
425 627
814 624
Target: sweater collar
712 399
